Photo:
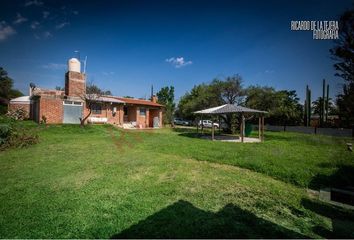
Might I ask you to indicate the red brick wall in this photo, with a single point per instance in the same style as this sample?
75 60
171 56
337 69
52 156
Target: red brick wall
107 112
155 113
74 84
115 118
142 120
51 108
15 106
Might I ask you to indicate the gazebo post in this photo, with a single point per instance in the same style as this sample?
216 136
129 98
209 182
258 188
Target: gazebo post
242 127
259 128
197 125
212 130
262 128
219 124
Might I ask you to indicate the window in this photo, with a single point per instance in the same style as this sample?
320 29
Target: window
96 109
125 109
142 111
67 102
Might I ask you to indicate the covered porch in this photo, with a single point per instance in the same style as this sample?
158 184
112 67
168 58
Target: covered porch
141 116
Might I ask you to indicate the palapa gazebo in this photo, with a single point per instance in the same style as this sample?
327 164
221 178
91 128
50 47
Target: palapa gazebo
230 108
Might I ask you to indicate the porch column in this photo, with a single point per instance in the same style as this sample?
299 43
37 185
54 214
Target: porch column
212 130
121 114
160 117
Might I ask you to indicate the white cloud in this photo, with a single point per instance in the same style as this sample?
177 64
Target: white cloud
47 34
6 31
60 26
43 35
45 14
108 73
19 19
34 3
54 66
269 71
34 25
178 62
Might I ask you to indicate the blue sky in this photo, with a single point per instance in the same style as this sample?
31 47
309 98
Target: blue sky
131 45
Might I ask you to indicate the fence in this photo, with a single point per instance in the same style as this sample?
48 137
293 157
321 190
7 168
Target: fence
337 132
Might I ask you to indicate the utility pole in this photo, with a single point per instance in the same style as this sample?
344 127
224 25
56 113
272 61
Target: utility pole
327 103
322 104
307 107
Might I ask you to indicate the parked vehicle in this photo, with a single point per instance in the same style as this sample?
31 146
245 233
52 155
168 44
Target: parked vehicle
179 121
207 124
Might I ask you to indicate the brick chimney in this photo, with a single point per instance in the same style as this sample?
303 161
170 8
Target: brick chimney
154 99
75 84
74 79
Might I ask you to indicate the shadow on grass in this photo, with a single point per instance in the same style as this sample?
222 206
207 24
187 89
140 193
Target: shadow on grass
206 134
342 177
342 220
183 220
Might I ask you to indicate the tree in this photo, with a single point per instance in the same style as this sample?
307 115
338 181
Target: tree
317 106
166 96
283 106
345 104
91 97
196 99
288 110
343 54
261 98
6 90
107 92
218 92
230 90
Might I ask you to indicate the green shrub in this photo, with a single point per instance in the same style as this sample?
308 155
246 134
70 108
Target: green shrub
15 134
5 132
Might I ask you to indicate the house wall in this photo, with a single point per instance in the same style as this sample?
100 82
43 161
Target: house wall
117 117
142 121
107 112
16 106
154 113
51 108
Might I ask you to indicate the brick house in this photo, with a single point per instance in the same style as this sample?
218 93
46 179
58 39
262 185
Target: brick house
68 106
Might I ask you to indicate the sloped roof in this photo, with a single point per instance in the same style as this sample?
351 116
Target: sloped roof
139 102
109 99
23 99
228 108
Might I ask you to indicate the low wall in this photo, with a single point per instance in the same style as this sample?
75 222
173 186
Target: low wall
337 132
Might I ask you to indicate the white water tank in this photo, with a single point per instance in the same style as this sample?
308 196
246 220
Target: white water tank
74 65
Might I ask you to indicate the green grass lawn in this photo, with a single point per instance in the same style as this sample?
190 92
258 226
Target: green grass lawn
100 182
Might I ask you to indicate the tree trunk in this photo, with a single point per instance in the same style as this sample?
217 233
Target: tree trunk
82 120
